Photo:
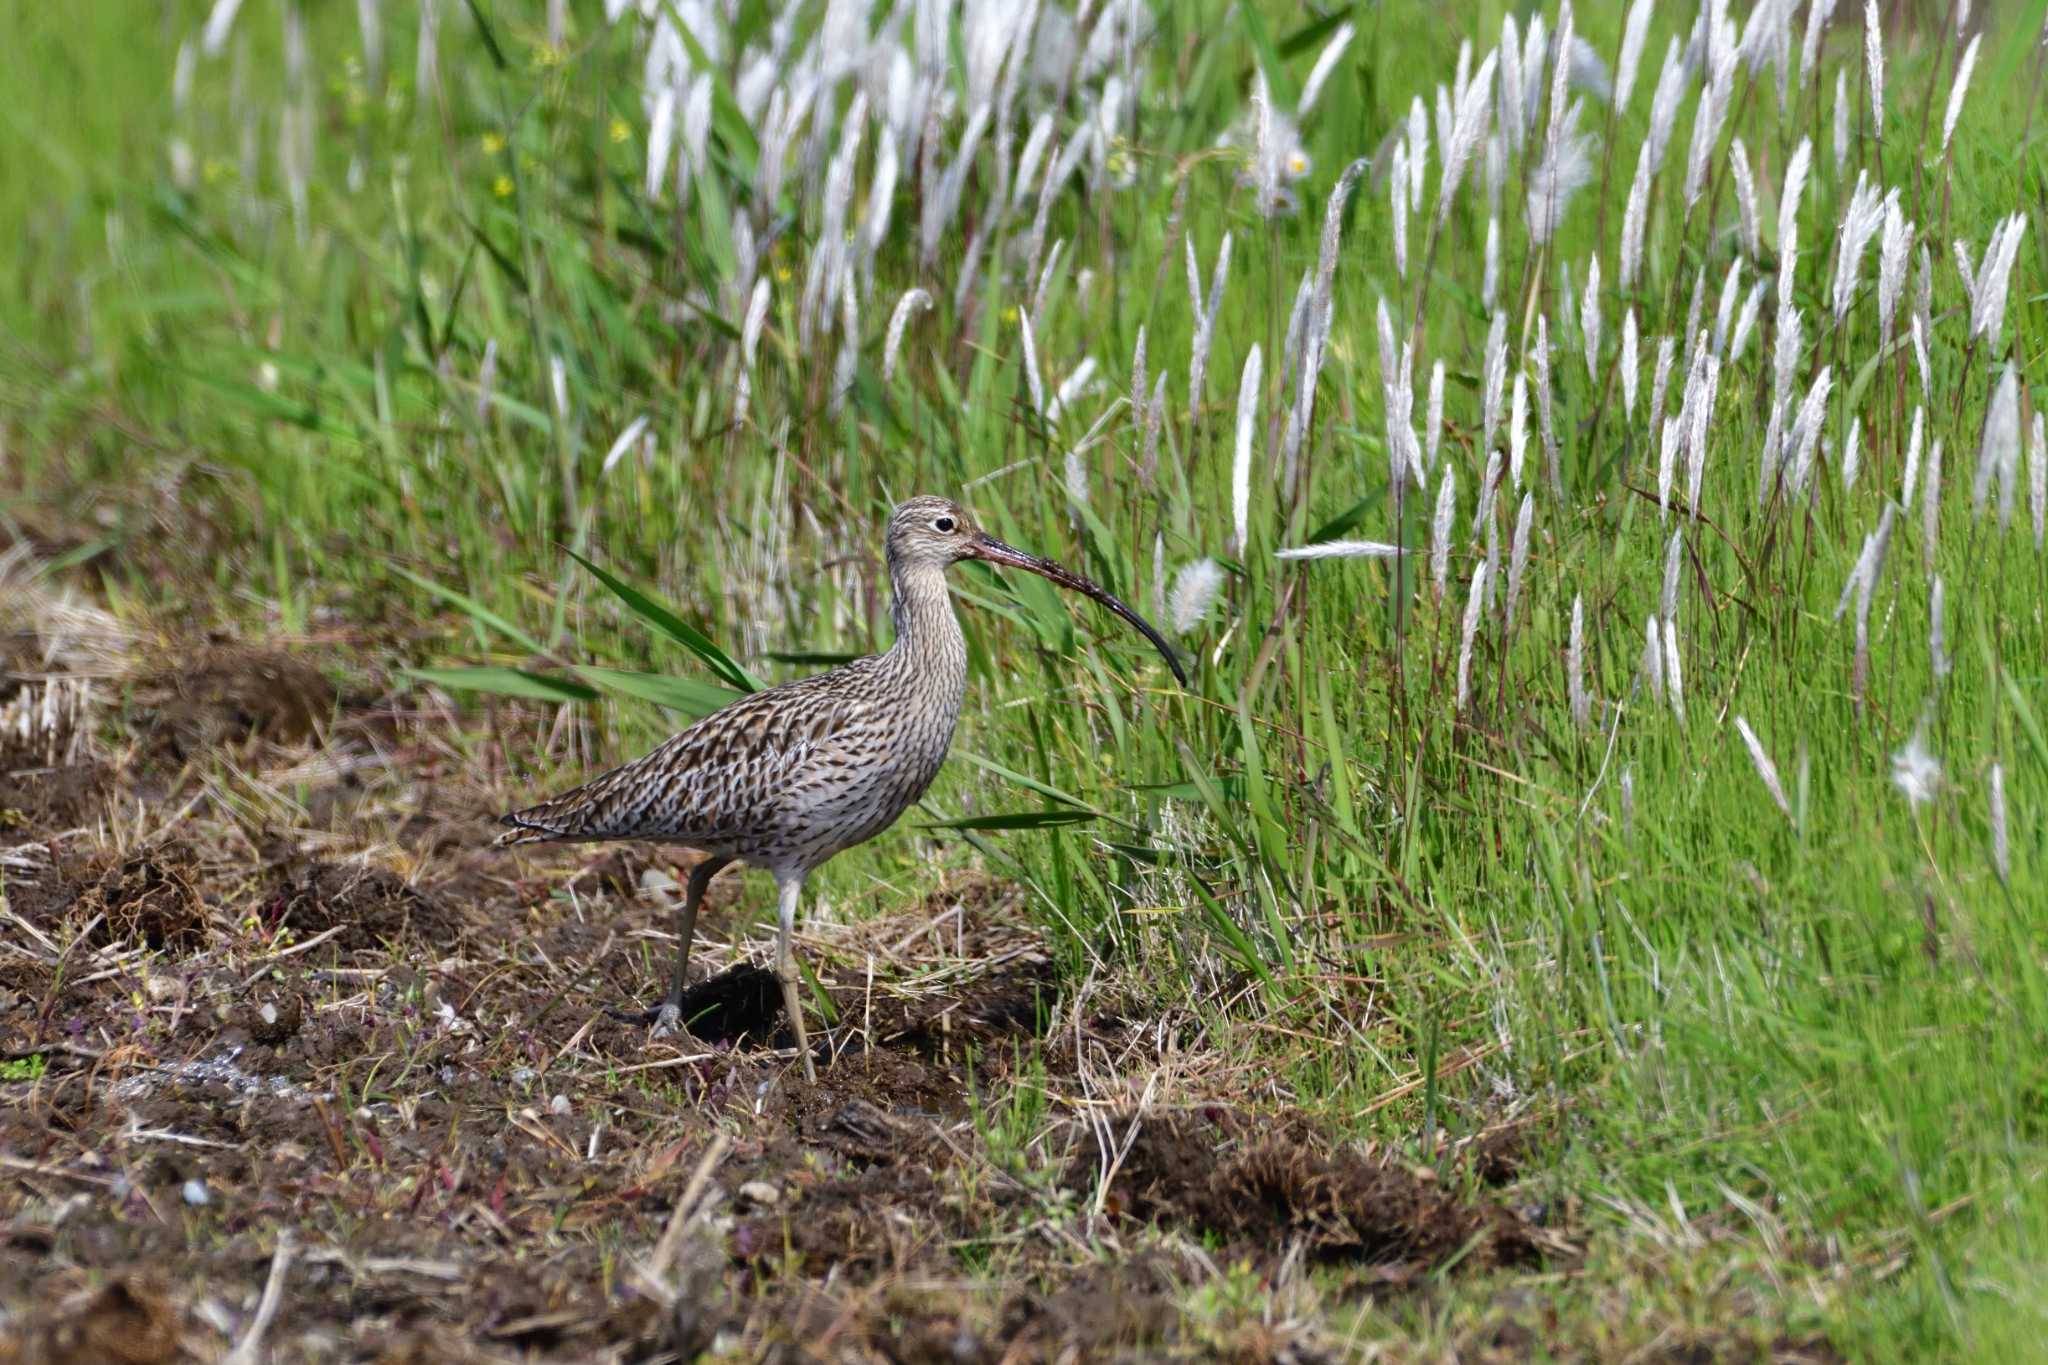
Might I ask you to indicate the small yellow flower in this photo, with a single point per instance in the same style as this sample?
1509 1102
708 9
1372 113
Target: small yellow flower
493 143
619 131
216 170
1010 313
782 274
502 187
546 55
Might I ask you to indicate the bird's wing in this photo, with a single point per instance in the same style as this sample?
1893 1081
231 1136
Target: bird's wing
723 778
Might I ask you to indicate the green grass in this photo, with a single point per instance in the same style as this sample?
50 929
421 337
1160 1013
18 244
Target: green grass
1816 1032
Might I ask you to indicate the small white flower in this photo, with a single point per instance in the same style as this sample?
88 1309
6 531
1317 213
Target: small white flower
1916 772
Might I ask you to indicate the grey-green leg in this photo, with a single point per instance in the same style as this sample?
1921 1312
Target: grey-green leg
668 1019
791 890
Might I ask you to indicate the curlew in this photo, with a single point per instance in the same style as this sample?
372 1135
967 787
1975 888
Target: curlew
785 778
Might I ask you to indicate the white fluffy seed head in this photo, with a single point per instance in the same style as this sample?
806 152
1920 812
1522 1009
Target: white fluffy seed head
1474 601
1440 529
1765 769
1930 507
1957 90
1518 554
2001 848
1630 364
1999 456
1241 467
2037 479
1195 589
1575 665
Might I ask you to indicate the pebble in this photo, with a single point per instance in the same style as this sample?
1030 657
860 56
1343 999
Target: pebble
196 1193
761 1192
559 1104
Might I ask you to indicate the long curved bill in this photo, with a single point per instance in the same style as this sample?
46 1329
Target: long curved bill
995 552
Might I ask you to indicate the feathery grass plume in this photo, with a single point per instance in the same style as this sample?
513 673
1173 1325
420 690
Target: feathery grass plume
1418 152
1575 665
1342 549
1511 103
1694 341
1035 144
427 49
1859 574
1073 387
1138 379
486 378
1745 195
914 300
1440 529
1919 335
1724 312
1333 228
1913 443
1966 268
1489 482
1994 277
1860 222
1543 407
1842 121
1674 550
1957 91
1660 378
1851 454
1566 167
1397 188
1667 467
1045 277
1999 456
1076 471
1155 419
1916 772
1633 219
1930 507
1765 769
1873 61
1652 667
1493 571
1891 264
1467 132
1937 635
1589 318
1745 322
1325 66
220 21
1241 466
1664 105
1706 124
1560 68
1474 600
661 140
558 386
1628 801
1806 429
1433 422
1631 344
2001 848
1674 673
1205 320
1817 15
2037 480
1195 589
1493 379
1696 439
635 429
1292 347
1518 556
1634 33
1489 283
1796 172
1031 376
1518 427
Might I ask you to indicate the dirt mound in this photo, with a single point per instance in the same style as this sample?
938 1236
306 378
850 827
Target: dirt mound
128 1322
230 694
148 897
372 904
1258 1190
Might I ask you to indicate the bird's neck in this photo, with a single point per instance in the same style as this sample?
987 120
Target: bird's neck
928 638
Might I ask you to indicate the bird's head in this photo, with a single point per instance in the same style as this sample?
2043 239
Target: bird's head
932 533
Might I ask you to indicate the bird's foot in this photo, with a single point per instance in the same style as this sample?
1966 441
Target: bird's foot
662 1022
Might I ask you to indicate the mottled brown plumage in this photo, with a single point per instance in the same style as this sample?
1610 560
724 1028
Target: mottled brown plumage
787 777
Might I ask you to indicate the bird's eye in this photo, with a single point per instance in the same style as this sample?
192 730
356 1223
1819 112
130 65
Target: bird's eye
944 526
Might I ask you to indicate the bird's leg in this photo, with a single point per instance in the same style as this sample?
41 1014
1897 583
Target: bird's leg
791 890
667 1017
